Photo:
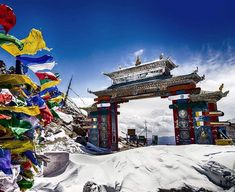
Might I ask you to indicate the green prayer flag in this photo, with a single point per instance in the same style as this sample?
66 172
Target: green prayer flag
14 122
5 38
17 131
54 113
43 81
25 184
51 104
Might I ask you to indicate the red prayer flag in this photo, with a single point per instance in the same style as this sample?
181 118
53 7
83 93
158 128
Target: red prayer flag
46 75
4 117
47 116
5 98
7 17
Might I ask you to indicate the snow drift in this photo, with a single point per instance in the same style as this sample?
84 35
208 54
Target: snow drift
146 169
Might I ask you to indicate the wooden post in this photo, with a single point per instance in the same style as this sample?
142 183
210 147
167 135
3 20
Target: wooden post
145 126
67 92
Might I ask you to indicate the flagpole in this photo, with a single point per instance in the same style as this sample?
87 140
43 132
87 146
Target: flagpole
67 92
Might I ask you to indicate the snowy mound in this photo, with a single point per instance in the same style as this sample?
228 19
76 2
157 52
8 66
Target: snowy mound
66 145
146 169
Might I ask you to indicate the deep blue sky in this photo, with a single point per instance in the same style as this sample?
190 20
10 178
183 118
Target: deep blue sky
92 36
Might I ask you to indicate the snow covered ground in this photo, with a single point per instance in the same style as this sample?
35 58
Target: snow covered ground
144 169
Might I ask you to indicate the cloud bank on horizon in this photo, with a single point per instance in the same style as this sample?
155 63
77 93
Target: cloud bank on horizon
218 67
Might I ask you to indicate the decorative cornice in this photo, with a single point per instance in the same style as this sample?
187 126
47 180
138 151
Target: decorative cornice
158 86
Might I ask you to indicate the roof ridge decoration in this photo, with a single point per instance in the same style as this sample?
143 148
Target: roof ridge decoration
209 96
142 65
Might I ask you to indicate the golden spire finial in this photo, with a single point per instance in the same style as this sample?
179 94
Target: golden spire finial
221 87
138 60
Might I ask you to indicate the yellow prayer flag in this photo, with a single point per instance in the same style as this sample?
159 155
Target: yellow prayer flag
33 43
49 84
19 91
57 99
199 123
198 113
32 110
17 146
35 168
16 79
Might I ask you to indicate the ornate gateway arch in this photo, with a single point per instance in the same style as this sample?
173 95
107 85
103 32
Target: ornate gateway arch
195 111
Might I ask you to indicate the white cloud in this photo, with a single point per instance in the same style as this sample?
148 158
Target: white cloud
139 52
83 102
129 59
154 110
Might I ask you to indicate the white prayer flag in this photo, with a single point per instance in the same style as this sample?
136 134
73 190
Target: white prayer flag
177 97
43 66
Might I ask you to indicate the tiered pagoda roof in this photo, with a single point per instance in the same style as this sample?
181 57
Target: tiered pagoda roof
149 79
157 87
153 65
158 69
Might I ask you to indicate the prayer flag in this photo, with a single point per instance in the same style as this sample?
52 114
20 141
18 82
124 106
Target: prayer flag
32 44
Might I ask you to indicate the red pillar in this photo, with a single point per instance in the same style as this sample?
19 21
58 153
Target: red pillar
191 126
213 107
116 126
109 127
176 126
104 127
99 125
109 111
